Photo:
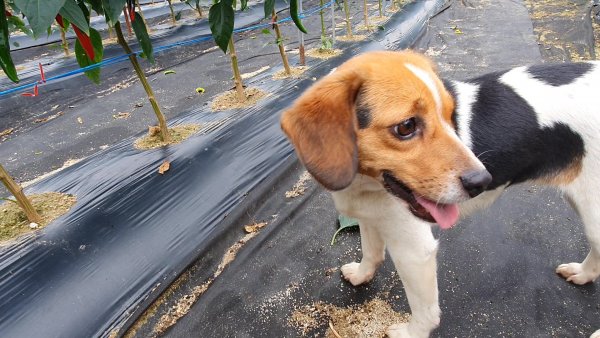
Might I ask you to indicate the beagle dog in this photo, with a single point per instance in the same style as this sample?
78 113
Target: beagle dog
400 149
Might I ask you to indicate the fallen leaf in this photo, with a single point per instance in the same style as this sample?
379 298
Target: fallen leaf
139 104
254 227
121 115
200 90
167 72
80 120
164 167
48 118
6 132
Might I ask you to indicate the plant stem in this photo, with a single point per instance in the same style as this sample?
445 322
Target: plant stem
172 12
366 14
380 8
321 14
162 123
17 191
65 43
301 39
284 58
198 9
239 86
127 23
348 24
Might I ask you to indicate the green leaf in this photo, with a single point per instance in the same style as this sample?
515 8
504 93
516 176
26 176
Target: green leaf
139 28
266 31
178 16
345 223
73 13
112 10
39 13
220 19
15 22
269 7
243 4
96 6
83 60
6 62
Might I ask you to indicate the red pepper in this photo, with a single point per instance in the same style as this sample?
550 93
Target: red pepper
85 40
7 13
131 9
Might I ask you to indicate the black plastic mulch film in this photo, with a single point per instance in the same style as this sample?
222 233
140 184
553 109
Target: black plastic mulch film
133 229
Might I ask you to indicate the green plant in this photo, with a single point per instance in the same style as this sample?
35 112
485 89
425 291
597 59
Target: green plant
88 47
196 6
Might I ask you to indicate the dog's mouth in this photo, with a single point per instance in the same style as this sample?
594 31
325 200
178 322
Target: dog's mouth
446 215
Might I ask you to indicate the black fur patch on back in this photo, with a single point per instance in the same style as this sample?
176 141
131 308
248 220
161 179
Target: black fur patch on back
559 74
508 140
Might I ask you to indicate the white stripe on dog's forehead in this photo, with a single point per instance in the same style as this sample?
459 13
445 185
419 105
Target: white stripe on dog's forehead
430 83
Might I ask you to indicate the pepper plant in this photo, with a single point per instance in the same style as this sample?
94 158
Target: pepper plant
221 17
88 48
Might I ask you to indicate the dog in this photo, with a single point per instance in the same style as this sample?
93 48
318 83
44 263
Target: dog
400 149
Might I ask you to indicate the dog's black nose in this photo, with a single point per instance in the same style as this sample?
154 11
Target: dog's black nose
475 181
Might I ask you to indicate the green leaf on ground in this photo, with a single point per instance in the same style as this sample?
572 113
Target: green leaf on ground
220 18
72 12
141 33
83 60
345 223
167 72
6 62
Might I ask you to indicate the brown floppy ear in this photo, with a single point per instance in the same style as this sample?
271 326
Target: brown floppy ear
322 126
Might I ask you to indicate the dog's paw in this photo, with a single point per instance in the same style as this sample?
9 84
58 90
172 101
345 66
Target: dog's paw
352 274
573 273
398 331
595 334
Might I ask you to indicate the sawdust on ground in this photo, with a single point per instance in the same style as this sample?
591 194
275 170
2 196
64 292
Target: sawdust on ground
322 53
553 21
367 320
296 72
299 187
184 304
49 205
355 37
178 134
229 99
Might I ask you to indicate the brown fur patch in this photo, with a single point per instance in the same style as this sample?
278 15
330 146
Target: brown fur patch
564 176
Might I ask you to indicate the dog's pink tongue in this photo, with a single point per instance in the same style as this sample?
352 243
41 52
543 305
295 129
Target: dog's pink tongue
446 215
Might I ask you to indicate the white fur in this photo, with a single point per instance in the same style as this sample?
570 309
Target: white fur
468 95
386 222
430 83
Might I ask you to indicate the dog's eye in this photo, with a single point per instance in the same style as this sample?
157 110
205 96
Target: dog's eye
405 129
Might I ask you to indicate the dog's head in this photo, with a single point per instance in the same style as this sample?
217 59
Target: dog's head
387 115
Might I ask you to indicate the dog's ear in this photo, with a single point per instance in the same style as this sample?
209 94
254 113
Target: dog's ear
322 126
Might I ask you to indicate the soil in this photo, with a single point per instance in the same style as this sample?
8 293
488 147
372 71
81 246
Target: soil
368 320
228 100
178 134
320 53
296 72
50 206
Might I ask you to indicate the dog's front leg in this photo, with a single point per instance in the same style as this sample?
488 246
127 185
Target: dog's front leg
373 251
413 250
